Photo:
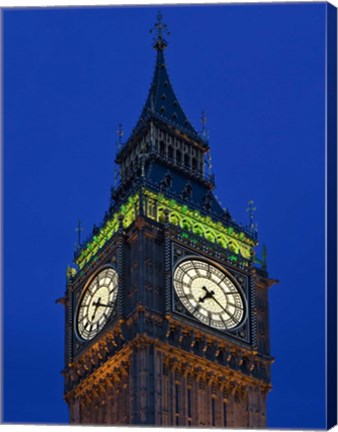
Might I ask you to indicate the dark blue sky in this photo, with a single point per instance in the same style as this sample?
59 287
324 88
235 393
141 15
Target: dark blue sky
70 76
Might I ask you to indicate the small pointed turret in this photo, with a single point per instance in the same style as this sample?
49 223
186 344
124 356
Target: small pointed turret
163 137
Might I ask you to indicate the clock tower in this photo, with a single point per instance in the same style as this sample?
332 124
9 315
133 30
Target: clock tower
166 308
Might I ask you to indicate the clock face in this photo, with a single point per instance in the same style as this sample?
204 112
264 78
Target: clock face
209 294
97 304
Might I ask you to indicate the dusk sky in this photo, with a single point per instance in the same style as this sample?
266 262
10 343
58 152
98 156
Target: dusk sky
70 76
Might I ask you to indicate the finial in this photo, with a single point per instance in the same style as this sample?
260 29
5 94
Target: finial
78 229
159 42
264 254
120 134
119 144
209 163
204 132
70 273
251 209
142 159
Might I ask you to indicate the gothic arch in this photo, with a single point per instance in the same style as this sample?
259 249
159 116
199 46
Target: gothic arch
221 240
233 246
186 224
198 229
175 219
210 236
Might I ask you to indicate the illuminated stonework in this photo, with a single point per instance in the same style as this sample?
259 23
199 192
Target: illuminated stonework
127 214
179 215
194 221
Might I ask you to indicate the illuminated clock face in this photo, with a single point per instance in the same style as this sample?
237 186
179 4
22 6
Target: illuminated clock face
209 294
97 304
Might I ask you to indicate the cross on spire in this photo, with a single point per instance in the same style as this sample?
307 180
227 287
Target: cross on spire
159 42
251 209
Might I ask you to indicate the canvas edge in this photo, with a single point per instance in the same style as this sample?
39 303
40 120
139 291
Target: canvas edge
331 216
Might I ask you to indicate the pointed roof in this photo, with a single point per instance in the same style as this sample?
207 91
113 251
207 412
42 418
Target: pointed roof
162 102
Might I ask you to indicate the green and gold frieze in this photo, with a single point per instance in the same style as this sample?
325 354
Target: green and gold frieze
126 213
192 220
155 206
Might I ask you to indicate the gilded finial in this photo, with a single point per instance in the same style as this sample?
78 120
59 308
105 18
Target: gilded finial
159 42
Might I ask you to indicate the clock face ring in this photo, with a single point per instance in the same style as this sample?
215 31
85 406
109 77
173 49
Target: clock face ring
97 303
209 293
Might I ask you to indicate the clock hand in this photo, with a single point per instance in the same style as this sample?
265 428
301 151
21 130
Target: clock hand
220 304
104 305
208 294
96 305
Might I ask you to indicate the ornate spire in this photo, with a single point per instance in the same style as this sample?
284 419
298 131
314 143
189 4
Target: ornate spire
162 102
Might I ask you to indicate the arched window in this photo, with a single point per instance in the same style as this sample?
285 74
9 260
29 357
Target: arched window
194 164
162 149
170 152
178 157
186 161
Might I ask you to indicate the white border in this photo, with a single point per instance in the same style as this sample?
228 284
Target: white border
63 3
79 3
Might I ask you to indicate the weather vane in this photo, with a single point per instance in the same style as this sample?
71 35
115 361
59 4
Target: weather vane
251 209
161 29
